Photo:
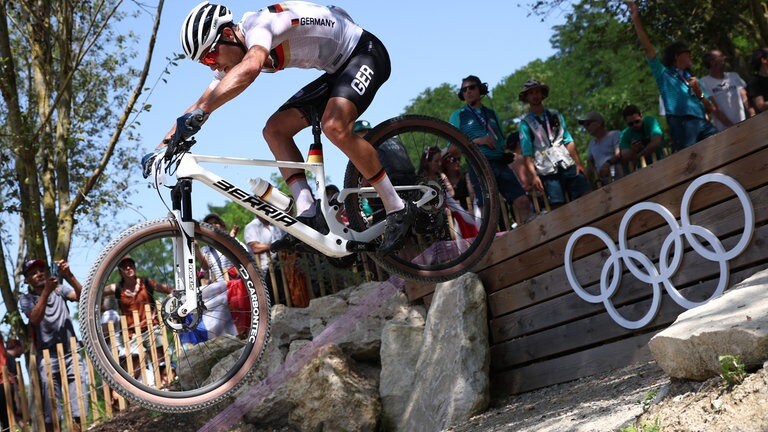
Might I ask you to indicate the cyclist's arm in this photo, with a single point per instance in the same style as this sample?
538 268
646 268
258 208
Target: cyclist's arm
231 85
204 96
236 80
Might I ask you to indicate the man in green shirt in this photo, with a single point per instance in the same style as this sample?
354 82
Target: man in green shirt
642 138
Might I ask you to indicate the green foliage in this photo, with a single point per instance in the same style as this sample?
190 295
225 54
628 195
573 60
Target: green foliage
734 26
644 426
439 102
732 369
648 398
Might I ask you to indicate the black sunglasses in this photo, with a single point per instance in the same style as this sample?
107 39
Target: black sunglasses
634 122
469 87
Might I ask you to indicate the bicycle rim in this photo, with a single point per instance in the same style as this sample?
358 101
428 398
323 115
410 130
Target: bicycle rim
196 366
451 233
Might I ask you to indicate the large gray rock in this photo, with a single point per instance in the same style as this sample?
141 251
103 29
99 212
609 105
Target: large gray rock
289 324
401 342
736 323
328 393
451 376
363 340
196 361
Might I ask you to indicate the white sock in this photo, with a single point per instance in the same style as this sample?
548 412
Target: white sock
302 197
392 202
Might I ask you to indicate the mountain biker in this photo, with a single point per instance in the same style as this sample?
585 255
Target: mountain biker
304 35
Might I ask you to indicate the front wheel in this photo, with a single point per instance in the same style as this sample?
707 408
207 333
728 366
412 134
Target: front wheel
454 230
155 358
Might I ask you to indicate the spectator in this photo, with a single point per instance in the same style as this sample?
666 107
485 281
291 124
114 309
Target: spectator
259 235
685 101
464 224
550 153
215 264
728 92
641 139
361 128
133 293
45 305
603 152
758 86
482 126
518 165
8 354
457 183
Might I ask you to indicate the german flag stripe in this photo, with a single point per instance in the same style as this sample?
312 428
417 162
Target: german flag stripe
315 156
281 55
378 177
294 22
277 8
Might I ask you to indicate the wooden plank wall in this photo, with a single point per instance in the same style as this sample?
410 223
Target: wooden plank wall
542 333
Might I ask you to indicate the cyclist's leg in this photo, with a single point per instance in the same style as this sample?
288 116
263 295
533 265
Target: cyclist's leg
279 131
352 89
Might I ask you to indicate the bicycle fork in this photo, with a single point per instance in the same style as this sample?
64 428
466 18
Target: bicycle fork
184 248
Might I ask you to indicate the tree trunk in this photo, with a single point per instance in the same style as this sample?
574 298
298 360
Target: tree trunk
760 13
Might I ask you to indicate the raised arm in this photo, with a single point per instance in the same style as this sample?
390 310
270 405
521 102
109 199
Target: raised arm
645 41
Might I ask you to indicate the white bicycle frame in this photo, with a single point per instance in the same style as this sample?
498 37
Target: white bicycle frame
334 244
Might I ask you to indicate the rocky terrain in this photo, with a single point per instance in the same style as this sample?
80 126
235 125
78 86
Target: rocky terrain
642 397
635 395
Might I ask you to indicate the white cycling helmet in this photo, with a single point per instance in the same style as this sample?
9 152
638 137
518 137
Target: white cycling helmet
202 26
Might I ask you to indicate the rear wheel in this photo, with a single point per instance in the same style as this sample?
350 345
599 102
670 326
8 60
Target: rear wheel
452 232
175 365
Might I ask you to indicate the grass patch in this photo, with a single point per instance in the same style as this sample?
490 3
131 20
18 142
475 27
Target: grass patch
732 369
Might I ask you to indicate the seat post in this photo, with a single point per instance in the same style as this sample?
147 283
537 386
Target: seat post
314 118
316 148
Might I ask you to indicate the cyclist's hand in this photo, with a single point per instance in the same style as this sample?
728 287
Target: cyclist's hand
188 125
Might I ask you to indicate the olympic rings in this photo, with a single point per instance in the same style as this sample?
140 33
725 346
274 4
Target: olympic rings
610 276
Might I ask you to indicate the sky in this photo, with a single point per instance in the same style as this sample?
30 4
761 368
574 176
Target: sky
430 42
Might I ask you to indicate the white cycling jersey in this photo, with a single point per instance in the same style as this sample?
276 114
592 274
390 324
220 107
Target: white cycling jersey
301 35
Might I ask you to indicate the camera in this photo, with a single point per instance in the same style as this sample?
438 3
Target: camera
55 272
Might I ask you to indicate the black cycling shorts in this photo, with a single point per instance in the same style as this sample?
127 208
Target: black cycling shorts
357 80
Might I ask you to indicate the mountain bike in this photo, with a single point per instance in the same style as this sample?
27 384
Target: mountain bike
204 372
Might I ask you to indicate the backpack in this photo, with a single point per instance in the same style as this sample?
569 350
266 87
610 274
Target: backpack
394 158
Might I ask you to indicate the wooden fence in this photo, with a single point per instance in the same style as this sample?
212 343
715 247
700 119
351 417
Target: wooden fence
101 402
543 333
28 394
96 397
